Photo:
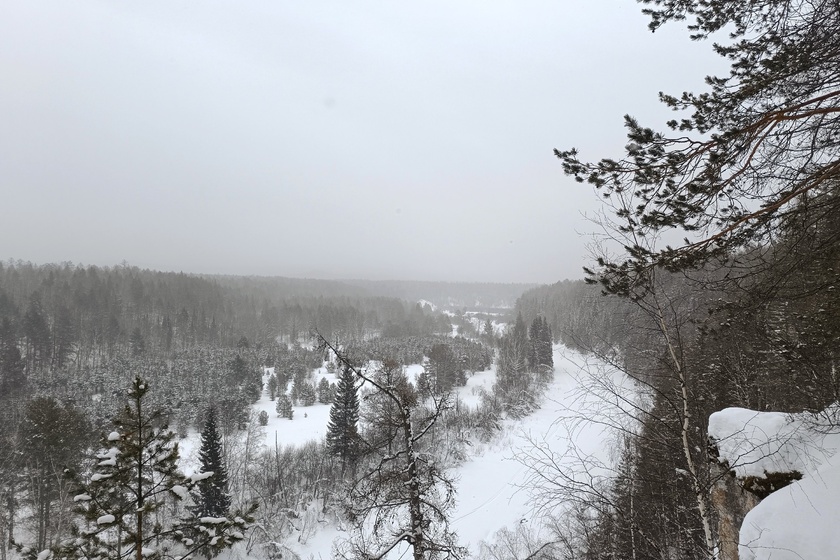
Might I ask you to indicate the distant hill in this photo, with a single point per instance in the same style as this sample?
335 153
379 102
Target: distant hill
274 288
470 295
444 295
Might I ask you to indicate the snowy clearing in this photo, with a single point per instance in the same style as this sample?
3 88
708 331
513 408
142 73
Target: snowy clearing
492 485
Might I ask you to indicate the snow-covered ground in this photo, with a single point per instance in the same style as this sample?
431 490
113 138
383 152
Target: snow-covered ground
309 423
800 520
492 485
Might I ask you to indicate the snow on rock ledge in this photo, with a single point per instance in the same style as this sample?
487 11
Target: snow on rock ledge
755 443
798 521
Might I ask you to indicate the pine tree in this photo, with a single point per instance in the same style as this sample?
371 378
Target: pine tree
12 368
137 342
272 387
342 428
443 369
752 159
53 438
541 355
307 394
284 406
36 329
745 153
326 391
213 497
513 382
488 333
64 337
122 503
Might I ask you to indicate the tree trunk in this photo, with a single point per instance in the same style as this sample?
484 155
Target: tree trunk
685 430
414 504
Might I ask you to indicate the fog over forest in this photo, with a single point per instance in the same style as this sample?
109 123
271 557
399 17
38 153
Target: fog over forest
317 139
539 280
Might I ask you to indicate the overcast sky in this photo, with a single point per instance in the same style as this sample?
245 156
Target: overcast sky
344 139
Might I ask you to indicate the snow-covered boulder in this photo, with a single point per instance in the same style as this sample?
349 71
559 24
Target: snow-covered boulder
796 522
789 461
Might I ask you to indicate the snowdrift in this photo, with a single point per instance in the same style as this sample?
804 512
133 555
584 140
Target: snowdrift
797 521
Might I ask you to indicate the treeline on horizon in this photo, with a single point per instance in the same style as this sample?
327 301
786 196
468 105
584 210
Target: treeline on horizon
72 314
74 339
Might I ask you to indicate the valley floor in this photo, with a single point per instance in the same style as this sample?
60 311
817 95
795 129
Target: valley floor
493 483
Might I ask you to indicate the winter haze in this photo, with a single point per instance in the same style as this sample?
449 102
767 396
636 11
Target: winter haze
320 139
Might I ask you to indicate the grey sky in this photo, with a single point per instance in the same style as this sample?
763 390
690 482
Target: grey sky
385 140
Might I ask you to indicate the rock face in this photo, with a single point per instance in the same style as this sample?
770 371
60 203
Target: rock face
732 503
752 455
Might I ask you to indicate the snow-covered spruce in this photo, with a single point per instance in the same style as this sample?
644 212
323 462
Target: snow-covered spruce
115 509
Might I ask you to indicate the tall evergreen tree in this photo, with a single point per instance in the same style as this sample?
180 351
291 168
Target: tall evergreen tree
745 156
272 387
213 497
541 355
134 479
342 428
326 391
37 333
52 439
137 342
747 176
64 337
12 368
444 370
284 406
513 382
307 394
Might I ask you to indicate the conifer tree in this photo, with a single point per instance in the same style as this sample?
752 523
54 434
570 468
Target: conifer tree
444 370
541 357
213 499
326 391
52 438
122 504
284 406
12 368
307 394
746 155
342 428
272 387
513 383
753 159
36 330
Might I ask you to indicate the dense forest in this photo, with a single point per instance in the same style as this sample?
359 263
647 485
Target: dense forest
145 358
104 372
740 308
79 315
695 344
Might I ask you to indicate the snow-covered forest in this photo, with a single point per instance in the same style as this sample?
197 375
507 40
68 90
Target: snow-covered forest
555 429
678 400
167 415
